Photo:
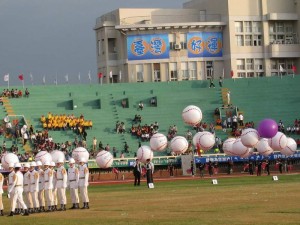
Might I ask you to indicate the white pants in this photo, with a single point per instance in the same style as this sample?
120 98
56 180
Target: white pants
84 194
42 198
74 195
49 197
54 196
61 193
1 203
28 199
35 199
18 197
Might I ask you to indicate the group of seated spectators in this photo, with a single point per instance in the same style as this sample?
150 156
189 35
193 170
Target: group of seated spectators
14 93
144 132
120 127
64 122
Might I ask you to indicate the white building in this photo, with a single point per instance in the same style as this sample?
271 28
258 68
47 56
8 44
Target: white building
239 38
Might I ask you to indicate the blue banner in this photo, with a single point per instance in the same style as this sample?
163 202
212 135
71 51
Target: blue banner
205 44
274 156
151 46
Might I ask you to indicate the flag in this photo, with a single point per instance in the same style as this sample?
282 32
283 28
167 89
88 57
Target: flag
223 74
281 69
21 77
120 75
294 69
6 77
100 75
231 73
89 75
67 78
110 74
31 77
79 77
44 79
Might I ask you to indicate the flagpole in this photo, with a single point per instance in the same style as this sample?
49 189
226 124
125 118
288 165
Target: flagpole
8 83
23 83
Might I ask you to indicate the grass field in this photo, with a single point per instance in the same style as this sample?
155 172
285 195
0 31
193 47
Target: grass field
239 200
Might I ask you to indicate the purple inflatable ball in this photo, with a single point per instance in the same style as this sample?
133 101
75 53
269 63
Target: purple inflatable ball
267 128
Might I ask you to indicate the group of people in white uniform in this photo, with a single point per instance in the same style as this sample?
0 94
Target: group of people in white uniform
43 186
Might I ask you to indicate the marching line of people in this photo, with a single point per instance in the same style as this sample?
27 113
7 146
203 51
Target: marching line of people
42 184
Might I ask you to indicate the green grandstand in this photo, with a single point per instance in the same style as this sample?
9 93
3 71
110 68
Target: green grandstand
256 98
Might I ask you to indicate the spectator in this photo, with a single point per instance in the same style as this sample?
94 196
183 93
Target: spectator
241 119
153 101
27 93
126 148
141 106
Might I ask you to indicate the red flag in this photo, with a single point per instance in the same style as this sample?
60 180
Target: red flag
21 77
100 75
231 73
294 69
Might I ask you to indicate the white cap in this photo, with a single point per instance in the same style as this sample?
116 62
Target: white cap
26 165
46 163
11 165
33 164
39 163
71 160
82 160
52 163
18 165
60 161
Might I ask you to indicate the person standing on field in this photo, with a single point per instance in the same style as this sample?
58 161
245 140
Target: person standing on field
73 180
84 182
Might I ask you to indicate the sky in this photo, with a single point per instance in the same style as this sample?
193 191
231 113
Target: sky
53 38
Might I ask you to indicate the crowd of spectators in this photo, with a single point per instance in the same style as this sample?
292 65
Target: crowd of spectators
144 132
14 93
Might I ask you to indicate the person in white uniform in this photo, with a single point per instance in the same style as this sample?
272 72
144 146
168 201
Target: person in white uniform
26 187
17 188
84 182
41 193
34 187
73 179
48 185
1 192
61 184
54 191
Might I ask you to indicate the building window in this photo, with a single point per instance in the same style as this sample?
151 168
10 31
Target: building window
238 26
248 27
240 63
173 72
241 74
184 71
257 40
99 48
193 71
183 41
239 40
139 73
256 27
250 74
248 40
249 64
279 27
156 67
172 41
259 64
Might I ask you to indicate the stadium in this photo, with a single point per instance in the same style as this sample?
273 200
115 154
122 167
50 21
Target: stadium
207 182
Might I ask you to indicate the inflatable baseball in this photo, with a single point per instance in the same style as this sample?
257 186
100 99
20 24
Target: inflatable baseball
104 159
56 155
227 146
249 137
263 147
192 115
43 156
9 158
79 153
206 140
238 149
179 145
290 147
144 153
158 142
278 142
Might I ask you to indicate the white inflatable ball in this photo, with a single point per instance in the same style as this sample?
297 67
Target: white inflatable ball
143 153
249 137
206 140
263 147
179 145
7 159
227 146
158 142
80 152
56 155
43 156
195 138
192 115
248 154
238 149
278 142
290 147
104 159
